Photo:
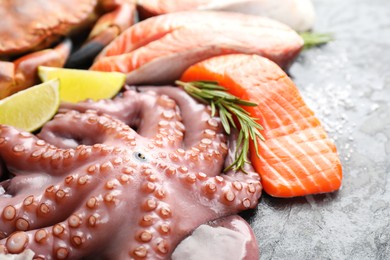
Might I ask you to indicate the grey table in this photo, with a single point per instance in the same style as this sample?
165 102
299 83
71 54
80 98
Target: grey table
347 84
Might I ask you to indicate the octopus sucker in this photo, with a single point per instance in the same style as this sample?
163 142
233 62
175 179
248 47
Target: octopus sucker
136 167
17 242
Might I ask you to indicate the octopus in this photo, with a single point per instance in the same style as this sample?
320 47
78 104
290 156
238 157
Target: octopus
125 178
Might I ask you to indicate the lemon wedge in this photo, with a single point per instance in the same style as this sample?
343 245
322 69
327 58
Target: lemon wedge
29 109
78 85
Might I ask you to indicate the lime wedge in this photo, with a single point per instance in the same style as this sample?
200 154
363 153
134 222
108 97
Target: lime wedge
78 85
29 109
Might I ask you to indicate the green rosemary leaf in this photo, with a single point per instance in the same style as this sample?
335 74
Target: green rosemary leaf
231 120
219 94
239 111
228 107
199 97
312 39
253 126
254 133
240 139
224 120
213 109
208 85
205 82
246 103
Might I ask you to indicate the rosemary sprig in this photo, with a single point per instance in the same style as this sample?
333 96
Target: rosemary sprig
312 39
228 106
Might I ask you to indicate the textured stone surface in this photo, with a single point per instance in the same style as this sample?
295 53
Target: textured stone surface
347 84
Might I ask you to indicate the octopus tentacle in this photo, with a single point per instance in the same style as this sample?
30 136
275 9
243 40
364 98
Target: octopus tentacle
191 110
45 202
22 151
204 142
235 189
73 129
154 116
161 121
124 107
71 237
234 192
22 156
68 239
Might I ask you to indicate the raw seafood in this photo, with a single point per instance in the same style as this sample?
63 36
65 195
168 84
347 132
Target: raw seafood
229 238
297 157
22 73
90 186
298 14
159 49
29 27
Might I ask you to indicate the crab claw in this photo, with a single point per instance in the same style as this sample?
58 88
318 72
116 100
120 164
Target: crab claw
6 78
22 73
106 29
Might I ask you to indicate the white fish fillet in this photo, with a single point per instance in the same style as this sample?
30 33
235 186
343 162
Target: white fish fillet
298 14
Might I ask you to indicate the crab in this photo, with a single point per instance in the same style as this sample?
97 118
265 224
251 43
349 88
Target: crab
28 28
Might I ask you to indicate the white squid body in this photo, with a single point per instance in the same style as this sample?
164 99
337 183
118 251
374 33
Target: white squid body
298 14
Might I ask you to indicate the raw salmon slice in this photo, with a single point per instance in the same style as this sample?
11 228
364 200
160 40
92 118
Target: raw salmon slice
298 14
155 28
159 49
297 157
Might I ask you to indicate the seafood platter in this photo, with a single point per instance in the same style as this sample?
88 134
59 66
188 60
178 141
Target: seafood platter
161 129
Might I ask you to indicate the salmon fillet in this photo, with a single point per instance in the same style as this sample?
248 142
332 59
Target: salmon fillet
297 157
144 51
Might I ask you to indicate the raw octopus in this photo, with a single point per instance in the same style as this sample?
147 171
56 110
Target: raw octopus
89 186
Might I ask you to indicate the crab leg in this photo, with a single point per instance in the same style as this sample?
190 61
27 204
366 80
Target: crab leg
6 78
22 73
122 17
106 29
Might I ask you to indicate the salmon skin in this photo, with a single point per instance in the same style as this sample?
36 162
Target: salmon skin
297 157
159 49
298 14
